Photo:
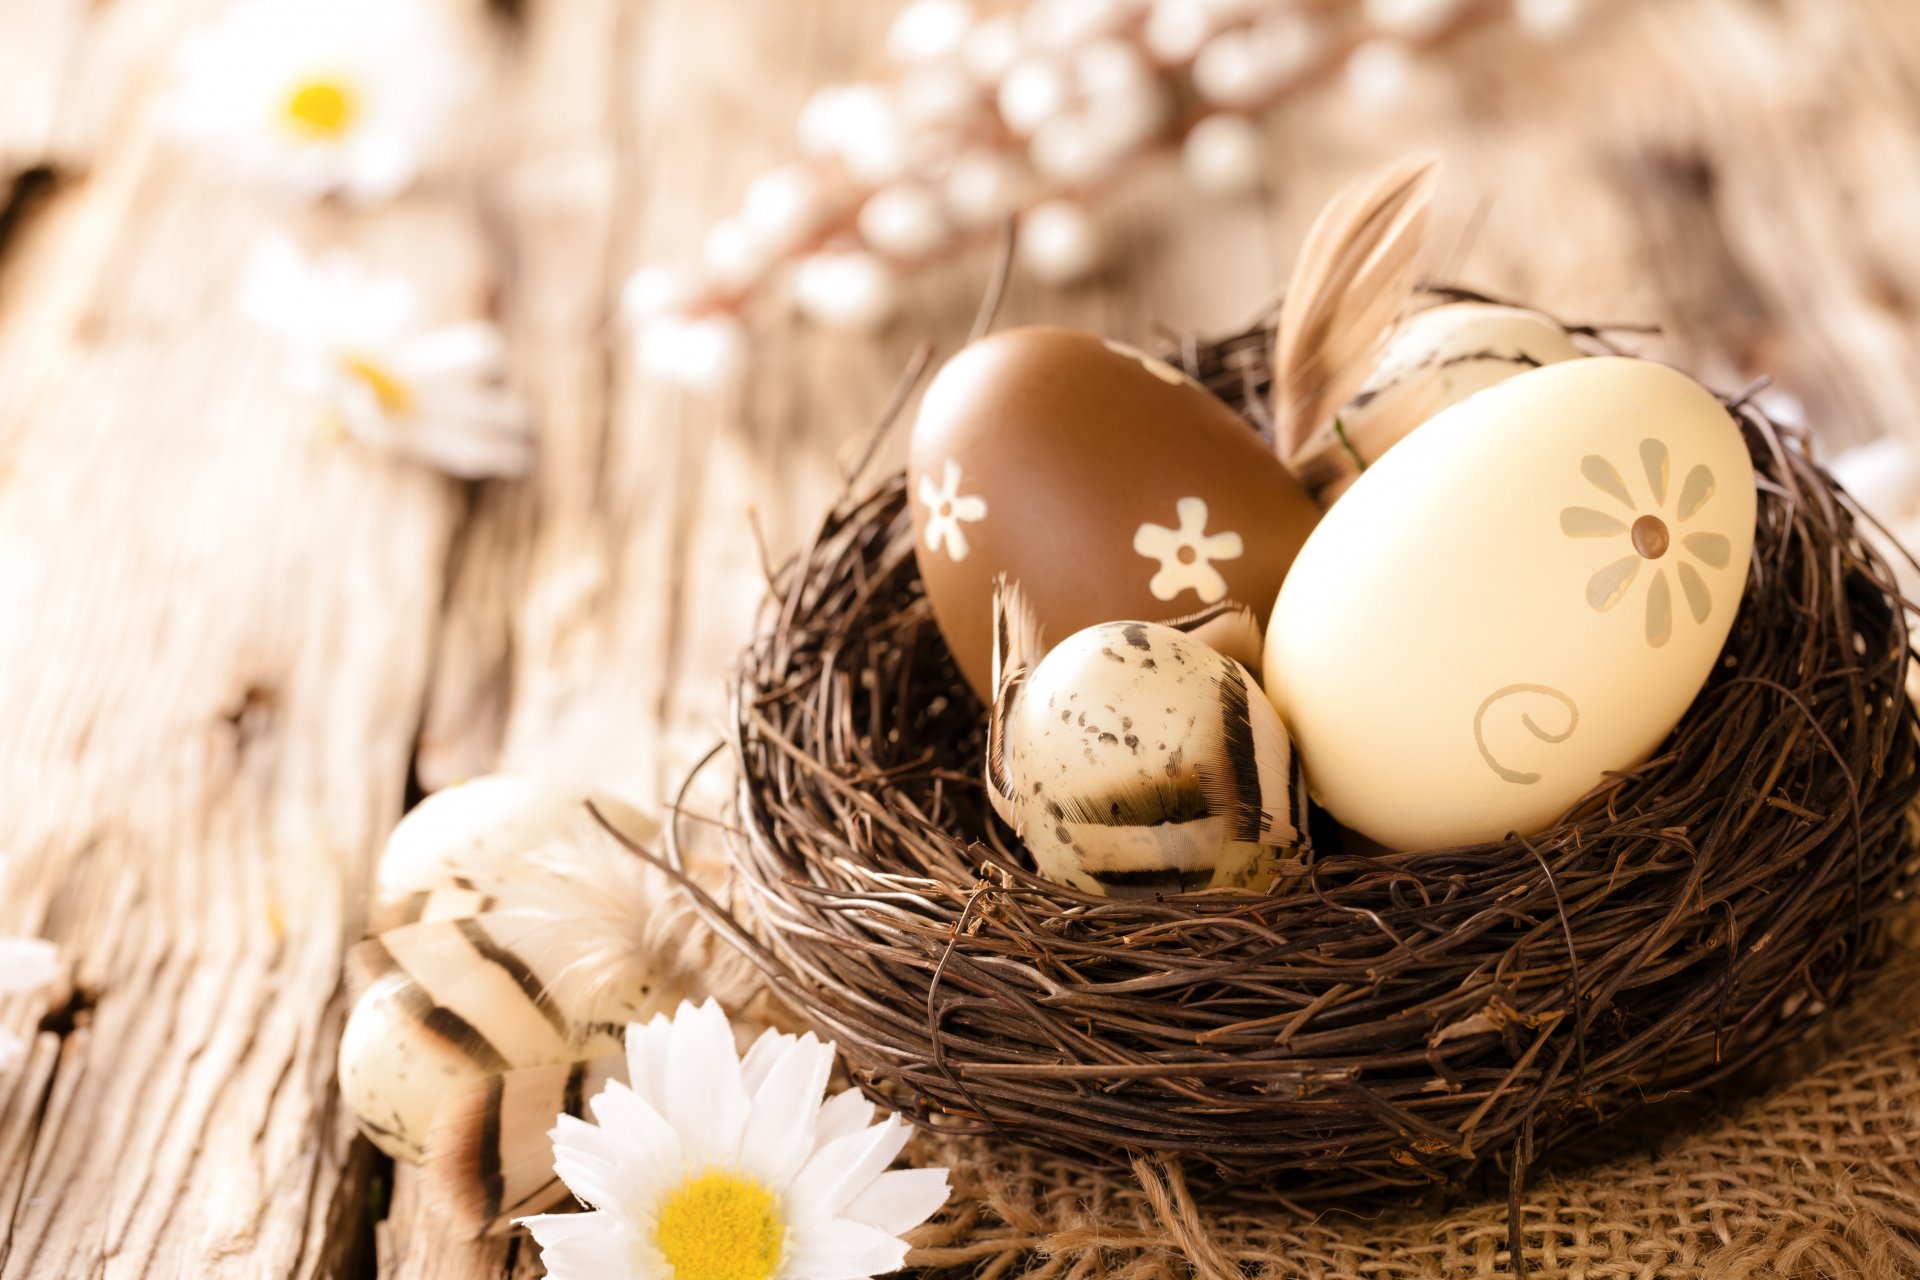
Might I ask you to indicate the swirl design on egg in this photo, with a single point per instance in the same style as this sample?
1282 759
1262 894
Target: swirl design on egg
1502 694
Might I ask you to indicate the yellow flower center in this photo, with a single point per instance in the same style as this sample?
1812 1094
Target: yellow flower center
322 108
389 390
721 1226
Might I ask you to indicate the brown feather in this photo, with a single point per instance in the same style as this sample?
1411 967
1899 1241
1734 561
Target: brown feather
1017 649
1230 629
489 1158
1350 284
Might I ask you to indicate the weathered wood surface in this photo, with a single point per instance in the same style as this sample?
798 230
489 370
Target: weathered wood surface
224 647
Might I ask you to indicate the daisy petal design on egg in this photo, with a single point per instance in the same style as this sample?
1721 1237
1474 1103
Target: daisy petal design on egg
433 395
1651 532
711 1166
1186 554
948 509
344 98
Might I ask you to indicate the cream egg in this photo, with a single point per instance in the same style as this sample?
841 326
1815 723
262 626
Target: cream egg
1527 592
1432 361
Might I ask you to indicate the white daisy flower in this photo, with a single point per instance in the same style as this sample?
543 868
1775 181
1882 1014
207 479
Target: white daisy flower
713 1167
26 964
434 395
336 97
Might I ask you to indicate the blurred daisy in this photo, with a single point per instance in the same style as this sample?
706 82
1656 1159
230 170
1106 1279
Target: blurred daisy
322 96
26 964
713 1167
433 395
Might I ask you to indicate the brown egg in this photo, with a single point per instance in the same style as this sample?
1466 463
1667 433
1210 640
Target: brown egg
1106 483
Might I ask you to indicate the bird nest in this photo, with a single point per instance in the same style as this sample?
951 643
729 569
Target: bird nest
1392 1019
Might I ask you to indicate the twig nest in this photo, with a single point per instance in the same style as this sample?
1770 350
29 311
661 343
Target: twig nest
1058 242
905 220
985 186
706 353
1225 154
1404 1019
1884 477
928 29
1410 19
785 206
846 289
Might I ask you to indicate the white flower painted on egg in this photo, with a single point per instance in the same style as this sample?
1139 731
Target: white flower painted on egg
947 509
1186 554
1651 532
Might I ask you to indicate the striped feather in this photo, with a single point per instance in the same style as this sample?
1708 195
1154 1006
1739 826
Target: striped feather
1350 284
489 1158
1017 649
492 956
1229 628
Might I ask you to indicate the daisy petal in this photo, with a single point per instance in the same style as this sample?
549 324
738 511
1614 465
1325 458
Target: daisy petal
844 1113
648 1047
778 1137
843 1250
841 1169
589 1161
767 1049
703 1092
10 1049
646 1136
582 1246
900 1199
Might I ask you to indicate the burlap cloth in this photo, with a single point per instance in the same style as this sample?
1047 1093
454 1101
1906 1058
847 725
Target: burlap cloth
1814 1173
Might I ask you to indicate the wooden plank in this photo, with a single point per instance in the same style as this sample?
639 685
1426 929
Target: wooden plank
217 635
218 638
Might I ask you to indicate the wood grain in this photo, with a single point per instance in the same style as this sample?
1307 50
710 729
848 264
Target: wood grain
225 649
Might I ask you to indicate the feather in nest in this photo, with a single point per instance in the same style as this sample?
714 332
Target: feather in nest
1351 284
